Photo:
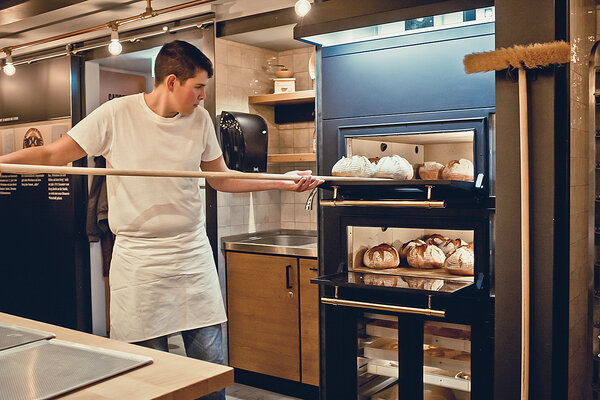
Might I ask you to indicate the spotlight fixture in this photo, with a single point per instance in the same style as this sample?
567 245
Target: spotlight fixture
9 68
114 47
302 7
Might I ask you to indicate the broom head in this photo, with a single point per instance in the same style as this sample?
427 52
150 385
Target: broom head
537 55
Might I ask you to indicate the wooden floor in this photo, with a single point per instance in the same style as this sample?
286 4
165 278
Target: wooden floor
236 391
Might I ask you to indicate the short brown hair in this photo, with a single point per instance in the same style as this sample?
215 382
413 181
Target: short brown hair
181 59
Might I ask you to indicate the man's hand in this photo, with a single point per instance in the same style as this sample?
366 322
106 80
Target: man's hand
307 182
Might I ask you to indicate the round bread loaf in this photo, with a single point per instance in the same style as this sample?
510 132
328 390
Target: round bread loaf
358 166
450 245
436 239
431 170
407 247
459 170
381 257
461 261
394 167
426 256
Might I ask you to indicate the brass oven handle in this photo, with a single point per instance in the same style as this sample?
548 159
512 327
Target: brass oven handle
384 307
385 203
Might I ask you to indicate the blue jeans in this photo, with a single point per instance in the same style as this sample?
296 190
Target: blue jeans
202 343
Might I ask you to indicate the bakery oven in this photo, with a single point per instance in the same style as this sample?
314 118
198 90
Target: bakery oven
406 274
406 311
406 260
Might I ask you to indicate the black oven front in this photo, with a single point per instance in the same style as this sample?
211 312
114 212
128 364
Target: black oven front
401 331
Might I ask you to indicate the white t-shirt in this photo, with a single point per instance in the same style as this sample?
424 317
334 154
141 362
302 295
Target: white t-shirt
131 136
163 277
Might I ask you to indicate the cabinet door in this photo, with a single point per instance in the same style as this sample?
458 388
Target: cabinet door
309 321
262 302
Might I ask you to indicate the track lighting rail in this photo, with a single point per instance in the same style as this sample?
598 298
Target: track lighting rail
149 13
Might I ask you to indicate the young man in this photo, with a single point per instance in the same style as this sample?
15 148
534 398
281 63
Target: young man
163 278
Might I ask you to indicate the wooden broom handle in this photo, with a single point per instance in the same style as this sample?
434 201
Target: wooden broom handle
48 169
525 270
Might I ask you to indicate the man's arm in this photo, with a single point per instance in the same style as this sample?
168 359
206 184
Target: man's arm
61 152
254 185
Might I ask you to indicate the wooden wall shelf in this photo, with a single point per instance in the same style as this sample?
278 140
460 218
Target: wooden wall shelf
298 157
299 97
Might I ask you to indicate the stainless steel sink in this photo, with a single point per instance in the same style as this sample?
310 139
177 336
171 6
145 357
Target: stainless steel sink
285 242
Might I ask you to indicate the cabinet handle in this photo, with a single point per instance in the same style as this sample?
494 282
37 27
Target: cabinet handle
287 277
313 269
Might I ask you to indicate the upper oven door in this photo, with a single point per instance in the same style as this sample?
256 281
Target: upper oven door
440 137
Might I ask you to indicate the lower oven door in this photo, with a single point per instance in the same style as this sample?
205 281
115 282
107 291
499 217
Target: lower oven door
405 356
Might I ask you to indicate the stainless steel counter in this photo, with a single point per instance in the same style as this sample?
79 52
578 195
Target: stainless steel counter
289 242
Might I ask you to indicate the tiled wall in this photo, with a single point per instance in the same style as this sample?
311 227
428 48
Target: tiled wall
582 26
240 73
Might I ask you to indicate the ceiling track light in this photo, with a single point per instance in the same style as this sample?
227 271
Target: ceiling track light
149 13
114 47
302 7
9 68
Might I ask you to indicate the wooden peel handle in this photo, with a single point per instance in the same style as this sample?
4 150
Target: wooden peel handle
49 169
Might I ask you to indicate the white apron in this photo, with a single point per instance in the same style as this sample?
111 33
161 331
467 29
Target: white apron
163 285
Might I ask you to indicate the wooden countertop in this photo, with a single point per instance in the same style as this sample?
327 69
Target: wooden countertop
170 376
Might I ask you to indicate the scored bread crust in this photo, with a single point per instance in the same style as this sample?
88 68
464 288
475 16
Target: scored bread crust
450 245
426 256
436 239
356 166
408 246
461 261
431 170
394 167
381 257
459 170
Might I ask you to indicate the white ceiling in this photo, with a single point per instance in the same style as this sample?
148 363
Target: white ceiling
23 21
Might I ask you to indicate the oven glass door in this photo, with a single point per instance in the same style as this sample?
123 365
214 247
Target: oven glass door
446 361
384 350
377 361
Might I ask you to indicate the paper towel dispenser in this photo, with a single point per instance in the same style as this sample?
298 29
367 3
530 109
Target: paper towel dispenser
244 139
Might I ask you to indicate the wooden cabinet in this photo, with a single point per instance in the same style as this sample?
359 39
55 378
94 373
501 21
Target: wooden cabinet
273 316
262 302
309 321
